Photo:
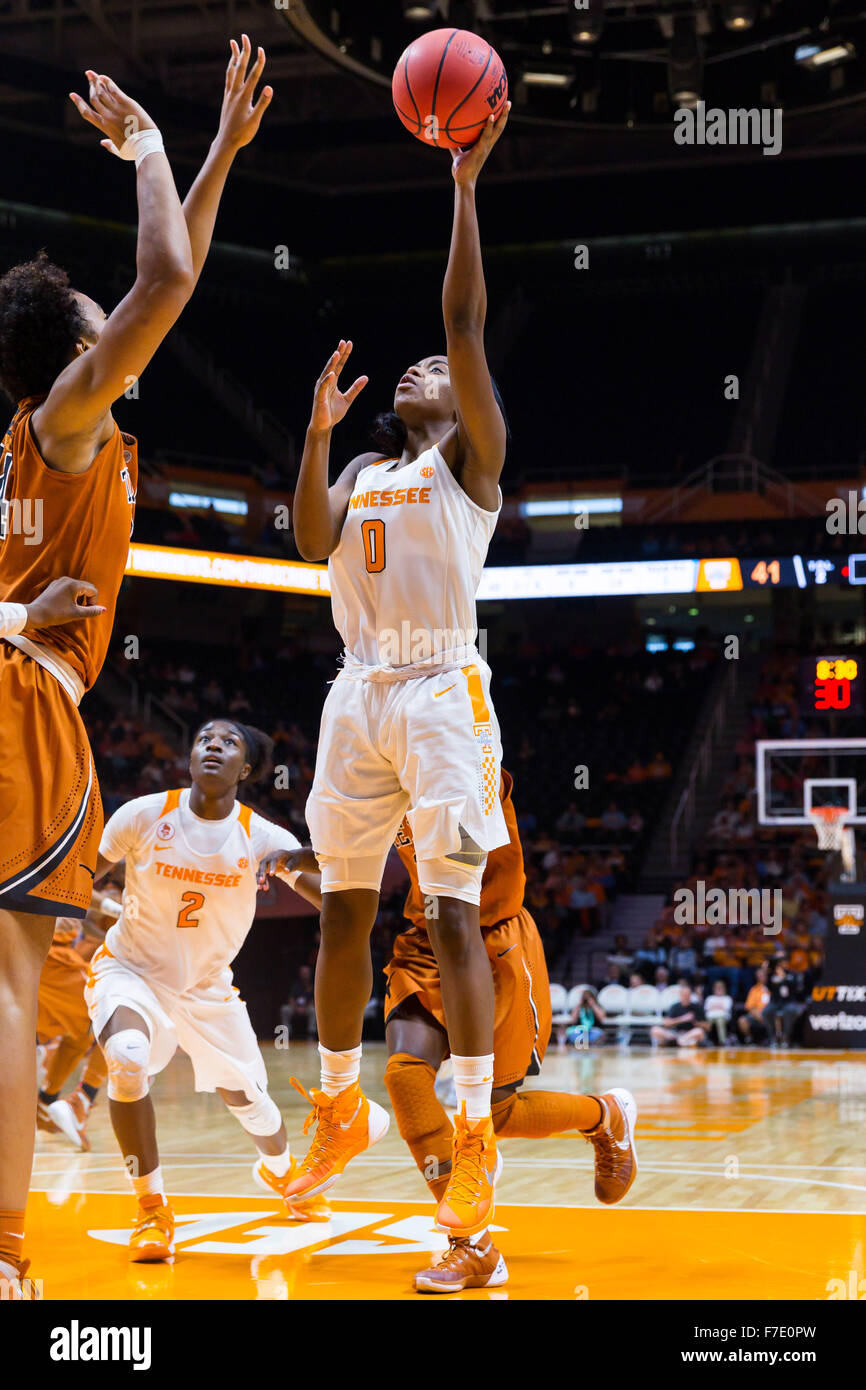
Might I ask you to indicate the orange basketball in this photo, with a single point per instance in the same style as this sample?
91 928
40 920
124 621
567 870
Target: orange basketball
446 85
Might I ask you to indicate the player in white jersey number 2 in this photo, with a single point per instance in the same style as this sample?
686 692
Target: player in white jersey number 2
162 979
408 727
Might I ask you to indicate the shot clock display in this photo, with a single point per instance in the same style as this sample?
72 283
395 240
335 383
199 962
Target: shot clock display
831 685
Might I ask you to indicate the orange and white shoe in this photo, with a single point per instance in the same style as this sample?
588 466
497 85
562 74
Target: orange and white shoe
153 1234
346 1125
17 1286
468 1201
613 1141
465 1265
44 1121
316 1208
70 1117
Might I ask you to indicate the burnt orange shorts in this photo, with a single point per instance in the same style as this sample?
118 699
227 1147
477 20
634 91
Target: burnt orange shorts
62 1010
50 807
522 1021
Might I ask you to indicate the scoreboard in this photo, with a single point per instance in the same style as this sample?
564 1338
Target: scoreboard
831 685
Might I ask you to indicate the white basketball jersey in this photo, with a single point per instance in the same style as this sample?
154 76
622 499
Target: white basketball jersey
406 571
186 911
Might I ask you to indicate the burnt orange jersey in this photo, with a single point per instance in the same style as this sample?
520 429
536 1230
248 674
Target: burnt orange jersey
54 523
503 883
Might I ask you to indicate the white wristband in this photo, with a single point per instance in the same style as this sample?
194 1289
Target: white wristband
137 146
110 907
13 619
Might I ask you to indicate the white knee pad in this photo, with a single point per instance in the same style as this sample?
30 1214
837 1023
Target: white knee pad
449 877
262 1117
339 874
127 1055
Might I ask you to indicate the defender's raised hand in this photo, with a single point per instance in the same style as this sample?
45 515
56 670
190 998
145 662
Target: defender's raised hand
111 111
241 117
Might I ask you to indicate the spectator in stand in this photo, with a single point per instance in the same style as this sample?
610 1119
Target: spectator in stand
784 1008
301 1005
717 1011
571 822
662 978
613 818
684 957
660 767
585 905
635 823
587 1021
613 976
725 822
683 1022
753 1023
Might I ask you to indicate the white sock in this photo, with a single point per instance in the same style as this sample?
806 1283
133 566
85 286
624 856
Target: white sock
150 1185
339 1069
473 1082
278 1164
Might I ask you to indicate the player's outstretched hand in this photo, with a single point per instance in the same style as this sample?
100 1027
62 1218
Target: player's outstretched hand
63 601
286 862
330 403
466 165
111 111
241 117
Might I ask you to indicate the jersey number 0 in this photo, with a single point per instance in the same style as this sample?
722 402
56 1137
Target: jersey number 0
373 536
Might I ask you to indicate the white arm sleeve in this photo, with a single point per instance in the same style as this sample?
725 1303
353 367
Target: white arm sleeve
124 833
268 838
13 619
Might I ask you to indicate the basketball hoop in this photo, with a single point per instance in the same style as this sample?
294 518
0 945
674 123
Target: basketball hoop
833 834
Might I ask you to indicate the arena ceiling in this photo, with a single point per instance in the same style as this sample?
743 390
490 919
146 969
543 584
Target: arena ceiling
619 70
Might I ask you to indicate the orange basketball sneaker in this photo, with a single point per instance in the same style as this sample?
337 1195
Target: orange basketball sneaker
153 1234
299 1208
44 1120
468 1202
613 1141
346 1125
70 1117
18 1287
464 1266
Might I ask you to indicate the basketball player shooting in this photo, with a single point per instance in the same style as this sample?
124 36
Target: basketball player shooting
65 363
406 538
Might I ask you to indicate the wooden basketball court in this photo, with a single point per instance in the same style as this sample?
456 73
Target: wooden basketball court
751 1185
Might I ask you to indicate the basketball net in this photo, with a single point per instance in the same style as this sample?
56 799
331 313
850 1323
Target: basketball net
833 834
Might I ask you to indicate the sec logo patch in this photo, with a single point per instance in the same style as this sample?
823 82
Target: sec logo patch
427 471
243 863
165 831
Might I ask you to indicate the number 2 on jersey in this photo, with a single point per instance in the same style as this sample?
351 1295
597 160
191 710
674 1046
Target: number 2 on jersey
373 536
193 902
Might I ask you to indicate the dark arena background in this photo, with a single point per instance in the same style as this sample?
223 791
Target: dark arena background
672 607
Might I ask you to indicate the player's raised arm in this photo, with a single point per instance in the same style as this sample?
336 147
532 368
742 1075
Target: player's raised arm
240 119
481 431
319 511
73 422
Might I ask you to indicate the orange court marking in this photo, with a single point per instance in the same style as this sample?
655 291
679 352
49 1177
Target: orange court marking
241 1248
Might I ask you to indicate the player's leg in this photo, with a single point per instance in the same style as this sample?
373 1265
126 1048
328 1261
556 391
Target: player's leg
346 1121
417 1045
128 1044
523 1026
276 1166
355 806
24 942
69 1115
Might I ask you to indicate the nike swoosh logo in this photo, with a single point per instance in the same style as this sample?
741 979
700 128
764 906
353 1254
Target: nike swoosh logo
348 1123
507 949
159 848
92 872
437 693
